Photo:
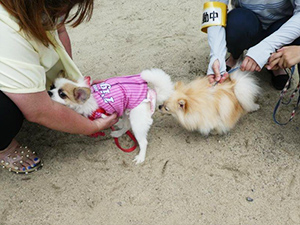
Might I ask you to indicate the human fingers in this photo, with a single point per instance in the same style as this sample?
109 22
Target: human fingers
258 69
288 64
111 119
291 56
224 77
285 64
104 123
255 66
273 64
211 78
216 69
252 66
244 64
275 56
283 49
249 65
281 63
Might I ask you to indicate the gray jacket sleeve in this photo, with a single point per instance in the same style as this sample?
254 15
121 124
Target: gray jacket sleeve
286 34
218 50
217 43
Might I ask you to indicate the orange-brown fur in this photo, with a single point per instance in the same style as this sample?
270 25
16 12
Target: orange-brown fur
204 107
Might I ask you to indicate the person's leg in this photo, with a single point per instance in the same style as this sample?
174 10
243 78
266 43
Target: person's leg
12 156
243 30
11 120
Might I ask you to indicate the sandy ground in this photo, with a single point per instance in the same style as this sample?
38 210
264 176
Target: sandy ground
186 178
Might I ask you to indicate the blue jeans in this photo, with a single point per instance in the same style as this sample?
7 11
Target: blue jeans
244 30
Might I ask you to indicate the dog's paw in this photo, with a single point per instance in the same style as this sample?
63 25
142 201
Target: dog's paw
139 159
120 124
116 133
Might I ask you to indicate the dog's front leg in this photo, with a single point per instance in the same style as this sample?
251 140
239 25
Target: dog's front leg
120 123
124 126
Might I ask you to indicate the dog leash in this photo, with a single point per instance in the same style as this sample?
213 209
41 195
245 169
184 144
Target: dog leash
97 114
282 93
230 71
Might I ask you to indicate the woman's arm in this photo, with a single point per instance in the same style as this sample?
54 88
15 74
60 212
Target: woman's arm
286 34
39 108
65 39
217 42
217 64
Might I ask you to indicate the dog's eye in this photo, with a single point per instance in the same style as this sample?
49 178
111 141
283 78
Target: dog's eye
62 94
166 108
52 86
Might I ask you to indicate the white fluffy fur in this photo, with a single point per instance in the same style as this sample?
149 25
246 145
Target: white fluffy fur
246 89
139 118
162 83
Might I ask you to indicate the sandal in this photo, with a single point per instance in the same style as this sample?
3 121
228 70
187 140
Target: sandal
21 161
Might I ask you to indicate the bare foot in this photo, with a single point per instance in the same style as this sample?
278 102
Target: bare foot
19 159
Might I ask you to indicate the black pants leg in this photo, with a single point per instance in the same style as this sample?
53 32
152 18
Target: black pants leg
243 30
11 120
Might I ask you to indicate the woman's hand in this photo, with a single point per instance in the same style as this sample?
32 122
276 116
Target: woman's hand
249 64
107 122
285 57
217 77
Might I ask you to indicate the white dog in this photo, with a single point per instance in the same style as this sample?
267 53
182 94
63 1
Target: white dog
128 96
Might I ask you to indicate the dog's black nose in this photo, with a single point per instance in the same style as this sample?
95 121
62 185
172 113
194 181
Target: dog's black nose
50 93
160 106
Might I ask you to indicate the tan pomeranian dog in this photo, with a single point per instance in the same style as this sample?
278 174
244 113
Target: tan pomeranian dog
207 108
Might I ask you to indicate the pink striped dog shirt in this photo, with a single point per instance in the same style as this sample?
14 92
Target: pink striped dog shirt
120 93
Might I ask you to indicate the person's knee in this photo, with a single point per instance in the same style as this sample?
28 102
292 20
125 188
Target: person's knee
243 30
240 23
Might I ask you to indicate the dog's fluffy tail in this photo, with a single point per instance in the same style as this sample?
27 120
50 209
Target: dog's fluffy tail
161 82
246 88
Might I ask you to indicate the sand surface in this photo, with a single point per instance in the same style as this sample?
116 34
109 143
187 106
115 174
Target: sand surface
186 179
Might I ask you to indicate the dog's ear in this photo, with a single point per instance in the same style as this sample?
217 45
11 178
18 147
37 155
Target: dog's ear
81 94
178 85
61 74
182 104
